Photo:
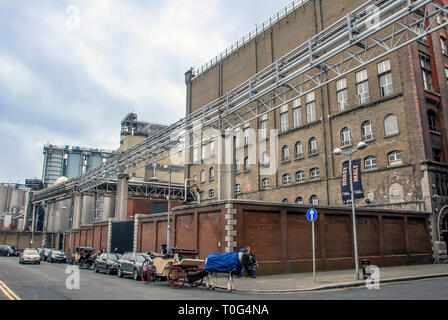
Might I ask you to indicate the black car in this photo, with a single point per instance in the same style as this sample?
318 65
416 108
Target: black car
130 264
4 250
57 256
13 251
107 262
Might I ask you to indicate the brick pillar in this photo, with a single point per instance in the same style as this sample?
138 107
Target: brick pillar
136 232
109 235
230 228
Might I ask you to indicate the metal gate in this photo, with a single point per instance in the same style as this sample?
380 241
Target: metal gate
122 236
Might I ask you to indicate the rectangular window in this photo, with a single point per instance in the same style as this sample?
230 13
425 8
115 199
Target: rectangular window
311 112
362 87
385 78
446 74
297 116
211 193
203 152
263 130
443 46
437 155
246 136
342 94
284 122
425 63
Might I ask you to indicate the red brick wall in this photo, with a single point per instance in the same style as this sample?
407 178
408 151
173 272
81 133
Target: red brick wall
145 206
280 235
92 236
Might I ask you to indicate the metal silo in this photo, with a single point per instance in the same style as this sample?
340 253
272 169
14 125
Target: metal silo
88 210
4 196
17 200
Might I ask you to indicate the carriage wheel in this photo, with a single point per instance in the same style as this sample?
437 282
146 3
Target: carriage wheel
148 273
176 278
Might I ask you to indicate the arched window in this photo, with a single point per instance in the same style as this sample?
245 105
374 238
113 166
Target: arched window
265 159
286 178
394 158
391 125
433 121
298 150
265 183
246 164
299 200
285 201
285 153
203 176
313 146
315 173
314 200
211 176
300 176
346 137
370 163
367 131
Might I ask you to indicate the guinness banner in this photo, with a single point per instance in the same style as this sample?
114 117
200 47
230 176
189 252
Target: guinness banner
357 183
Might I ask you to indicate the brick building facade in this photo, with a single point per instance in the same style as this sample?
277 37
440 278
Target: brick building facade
397 105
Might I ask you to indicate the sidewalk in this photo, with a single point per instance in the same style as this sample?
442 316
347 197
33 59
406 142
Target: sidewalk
302 282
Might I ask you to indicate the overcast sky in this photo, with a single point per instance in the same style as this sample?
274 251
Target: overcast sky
71 70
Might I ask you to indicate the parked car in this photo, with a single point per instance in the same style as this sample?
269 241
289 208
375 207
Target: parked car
107 262
130 264
4 250
29 256
57 256
13 251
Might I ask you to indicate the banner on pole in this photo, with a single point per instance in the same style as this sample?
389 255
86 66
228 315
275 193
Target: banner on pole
357 182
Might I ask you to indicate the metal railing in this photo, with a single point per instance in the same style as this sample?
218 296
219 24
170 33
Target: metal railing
259 29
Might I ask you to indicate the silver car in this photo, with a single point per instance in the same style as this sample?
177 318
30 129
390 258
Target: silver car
29 256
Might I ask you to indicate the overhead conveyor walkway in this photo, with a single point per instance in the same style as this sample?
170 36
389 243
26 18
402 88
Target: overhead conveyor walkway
365 35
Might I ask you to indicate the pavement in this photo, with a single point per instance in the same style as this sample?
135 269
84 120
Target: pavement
326 280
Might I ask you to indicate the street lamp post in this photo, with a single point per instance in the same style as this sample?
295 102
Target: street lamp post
169 210
70 232
338 152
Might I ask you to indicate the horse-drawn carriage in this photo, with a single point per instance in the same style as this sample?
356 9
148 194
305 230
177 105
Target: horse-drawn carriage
83 257
178 267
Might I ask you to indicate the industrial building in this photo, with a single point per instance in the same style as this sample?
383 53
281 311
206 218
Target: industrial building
324 78
397 105
70 162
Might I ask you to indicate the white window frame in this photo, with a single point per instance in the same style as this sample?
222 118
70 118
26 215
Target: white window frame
314 174
286 179
346 137
367 132
370 163
395 158
313 146
300 176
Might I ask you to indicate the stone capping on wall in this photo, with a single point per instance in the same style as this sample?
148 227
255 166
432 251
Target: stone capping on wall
294 205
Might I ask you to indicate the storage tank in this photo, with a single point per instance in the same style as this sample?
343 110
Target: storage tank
62 216
17 200
88 210
4 196
109 208
49 217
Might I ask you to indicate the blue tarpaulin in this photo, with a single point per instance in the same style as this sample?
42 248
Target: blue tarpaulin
225 262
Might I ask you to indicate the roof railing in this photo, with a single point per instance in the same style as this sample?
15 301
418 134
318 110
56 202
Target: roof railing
259 29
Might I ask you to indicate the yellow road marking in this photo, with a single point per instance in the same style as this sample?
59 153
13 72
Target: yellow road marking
11 293
6 293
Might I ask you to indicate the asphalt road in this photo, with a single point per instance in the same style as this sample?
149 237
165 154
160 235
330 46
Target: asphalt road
48 282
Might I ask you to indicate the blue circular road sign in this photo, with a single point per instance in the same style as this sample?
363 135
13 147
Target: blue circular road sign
311 214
